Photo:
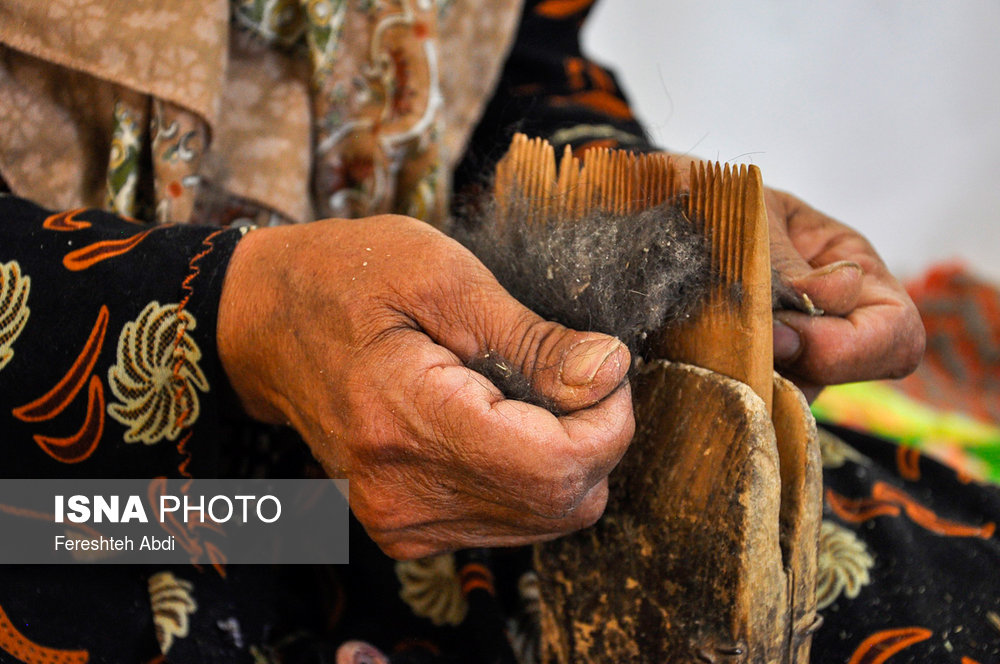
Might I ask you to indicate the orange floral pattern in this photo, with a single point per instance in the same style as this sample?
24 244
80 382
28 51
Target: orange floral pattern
908 463
66 221
86 257
887 500
29 652
879 647
53 402
80 445
561 9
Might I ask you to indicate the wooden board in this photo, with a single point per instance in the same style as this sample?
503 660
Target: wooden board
801 511
686 565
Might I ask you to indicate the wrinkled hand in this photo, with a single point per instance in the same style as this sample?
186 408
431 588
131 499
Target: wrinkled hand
355 332
871 328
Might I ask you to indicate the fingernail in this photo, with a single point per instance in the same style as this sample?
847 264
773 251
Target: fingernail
837 266
787 342
585 359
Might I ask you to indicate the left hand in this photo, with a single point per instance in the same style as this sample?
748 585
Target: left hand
871 328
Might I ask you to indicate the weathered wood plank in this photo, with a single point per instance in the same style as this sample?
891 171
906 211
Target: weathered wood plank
686 564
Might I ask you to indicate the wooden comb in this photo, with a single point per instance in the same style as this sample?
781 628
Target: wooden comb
707 549
733 336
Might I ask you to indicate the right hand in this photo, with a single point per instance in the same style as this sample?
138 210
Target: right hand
871 330
355 332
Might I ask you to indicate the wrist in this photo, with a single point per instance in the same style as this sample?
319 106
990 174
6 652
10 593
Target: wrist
246 304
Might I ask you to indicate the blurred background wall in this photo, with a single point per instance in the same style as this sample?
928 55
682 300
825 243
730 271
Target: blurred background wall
882 113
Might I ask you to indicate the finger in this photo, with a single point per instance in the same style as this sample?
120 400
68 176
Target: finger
877 341
588 446
809 390
785 258
514 454
601 434
472 314
833 286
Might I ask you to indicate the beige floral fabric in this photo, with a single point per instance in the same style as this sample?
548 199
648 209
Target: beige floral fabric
262 147
377 107
482 32
174 51
431 588
56 128
304 108
172 603
844 564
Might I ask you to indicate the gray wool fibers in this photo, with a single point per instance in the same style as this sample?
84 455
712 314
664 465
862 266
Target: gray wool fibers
626 275
621 274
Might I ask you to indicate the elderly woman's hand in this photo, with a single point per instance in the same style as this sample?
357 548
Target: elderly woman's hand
356 333
871 328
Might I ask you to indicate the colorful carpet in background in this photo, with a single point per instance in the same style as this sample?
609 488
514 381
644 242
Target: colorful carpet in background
950 406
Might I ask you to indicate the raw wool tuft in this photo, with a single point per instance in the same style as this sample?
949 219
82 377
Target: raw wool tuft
625 275
510 380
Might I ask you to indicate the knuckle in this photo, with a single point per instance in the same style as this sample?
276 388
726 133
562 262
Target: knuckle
911 351
620 430
525 339
592 509
559 497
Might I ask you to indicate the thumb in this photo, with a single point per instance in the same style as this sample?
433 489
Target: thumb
833 287
476 316
568 368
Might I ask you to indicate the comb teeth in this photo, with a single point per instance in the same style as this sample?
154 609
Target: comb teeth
732 333
612 180
716 207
